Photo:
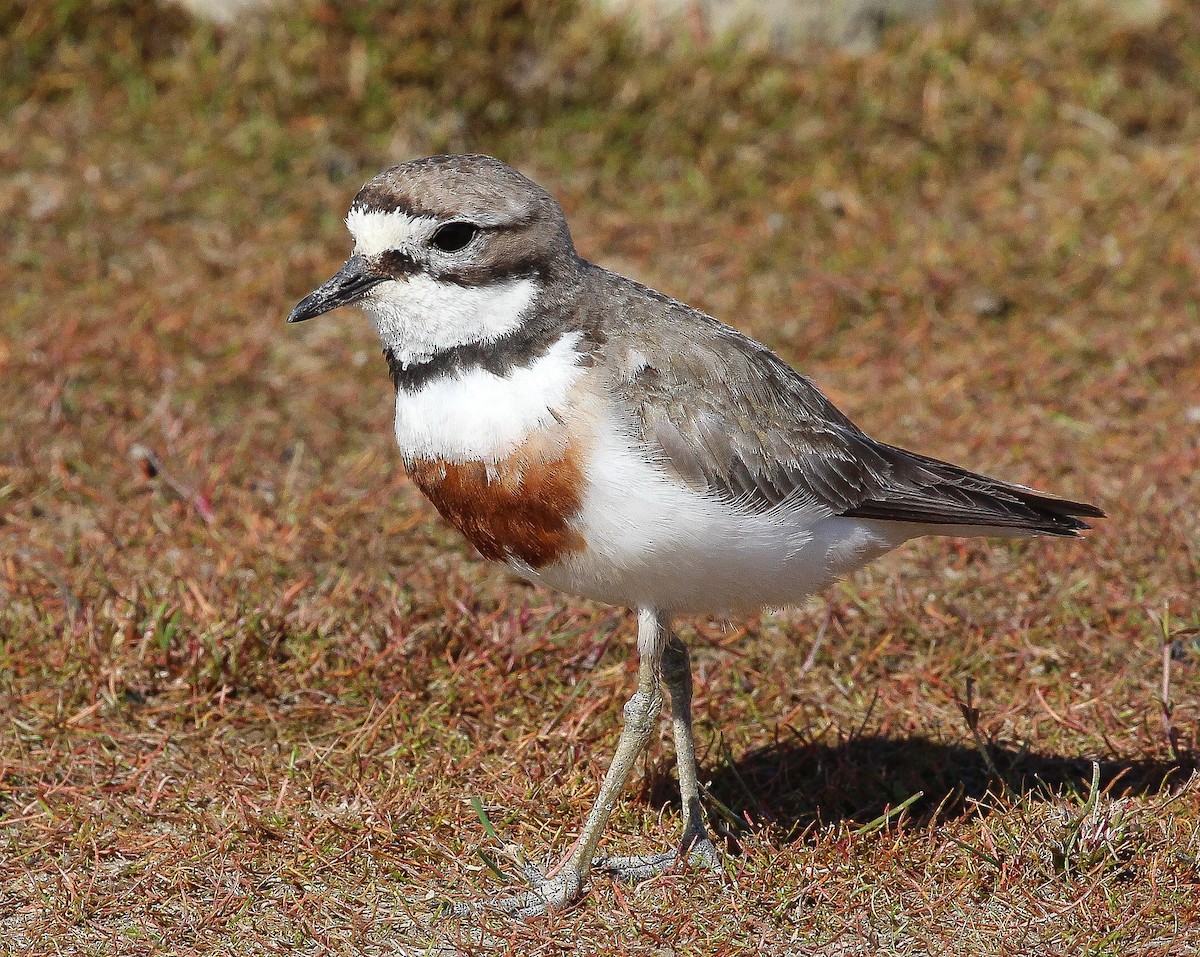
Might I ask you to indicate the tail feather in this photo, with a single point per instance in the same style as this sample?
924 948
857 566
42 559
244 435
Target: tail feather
938 493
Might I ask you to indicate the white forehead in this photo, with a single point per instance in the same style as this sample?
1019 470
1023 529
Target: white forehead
376 231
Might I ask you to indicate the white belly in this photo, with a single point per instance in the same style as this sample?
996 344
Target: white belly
654 542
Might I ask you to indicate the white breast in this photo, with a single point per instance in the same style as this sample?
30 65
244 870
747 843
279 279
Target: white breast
476 415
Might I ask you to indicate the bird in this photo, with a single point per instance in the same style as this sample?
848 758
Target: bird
599 437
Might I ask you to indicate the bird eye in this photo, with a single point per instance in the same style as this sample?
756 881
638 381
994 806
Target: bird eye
454 236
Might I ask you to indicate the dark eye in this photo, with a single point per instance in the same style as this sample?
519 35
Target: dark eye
454 236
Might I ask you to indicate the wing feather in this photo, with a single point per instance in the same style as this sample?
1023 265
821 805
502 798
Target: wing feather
729 416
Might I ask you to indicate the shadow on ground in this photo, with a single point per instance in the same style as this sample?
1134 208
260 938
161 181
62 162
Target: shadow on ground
791 785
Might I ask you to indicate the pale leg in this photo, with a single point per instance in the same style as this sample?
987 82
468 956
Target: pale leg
695 844
641 716
677 675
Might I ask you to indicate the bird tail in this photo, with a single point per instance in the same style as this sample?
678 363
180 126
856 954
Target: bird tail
933 492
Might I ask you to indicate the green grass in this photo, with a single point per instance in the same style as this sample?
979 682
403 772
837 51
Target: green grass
252 685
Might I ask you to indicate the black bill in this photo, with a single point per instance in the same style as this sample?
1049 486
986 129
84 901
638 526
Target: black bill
348 285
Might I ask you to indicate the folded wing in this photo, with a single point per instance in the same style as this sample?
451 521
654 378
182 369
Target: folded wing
729 416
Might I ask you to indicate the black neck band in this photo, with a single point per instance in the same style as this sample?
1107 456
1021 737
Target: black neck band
520 347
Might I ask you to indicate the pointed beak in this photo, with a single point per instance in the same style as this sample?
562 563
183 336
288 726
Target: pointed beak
348 285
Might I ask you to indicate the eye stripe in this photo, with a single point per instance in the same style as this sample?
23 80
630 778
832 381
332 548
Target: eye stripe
397 263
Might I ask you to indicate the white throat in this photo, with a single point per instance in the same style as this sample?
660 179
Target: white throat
420 316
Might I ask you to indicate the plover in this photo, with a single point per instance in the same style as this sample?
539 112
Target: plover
608 441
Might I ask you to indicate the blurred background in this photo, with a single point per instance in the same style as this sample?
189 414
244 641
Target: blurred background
239 653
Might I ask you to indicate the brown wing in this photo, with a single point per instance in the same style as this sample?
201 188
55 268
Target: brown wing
730 416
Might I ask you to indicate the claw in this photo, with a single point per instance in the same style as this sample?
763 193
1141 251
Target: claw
545 895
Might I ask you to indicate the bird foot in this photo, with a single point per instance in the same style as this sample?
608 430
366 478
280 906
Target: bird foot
544 894
563 888
702 853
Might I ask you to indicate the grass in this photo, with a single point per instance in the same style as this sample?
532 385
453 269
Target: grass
253 687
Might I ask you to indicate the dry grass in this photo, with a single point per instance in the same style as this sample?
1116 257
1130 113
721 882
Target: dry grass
251 684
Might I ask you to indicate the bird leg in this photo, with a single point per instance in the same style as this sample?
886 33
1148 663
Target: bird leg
641 716
695 846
